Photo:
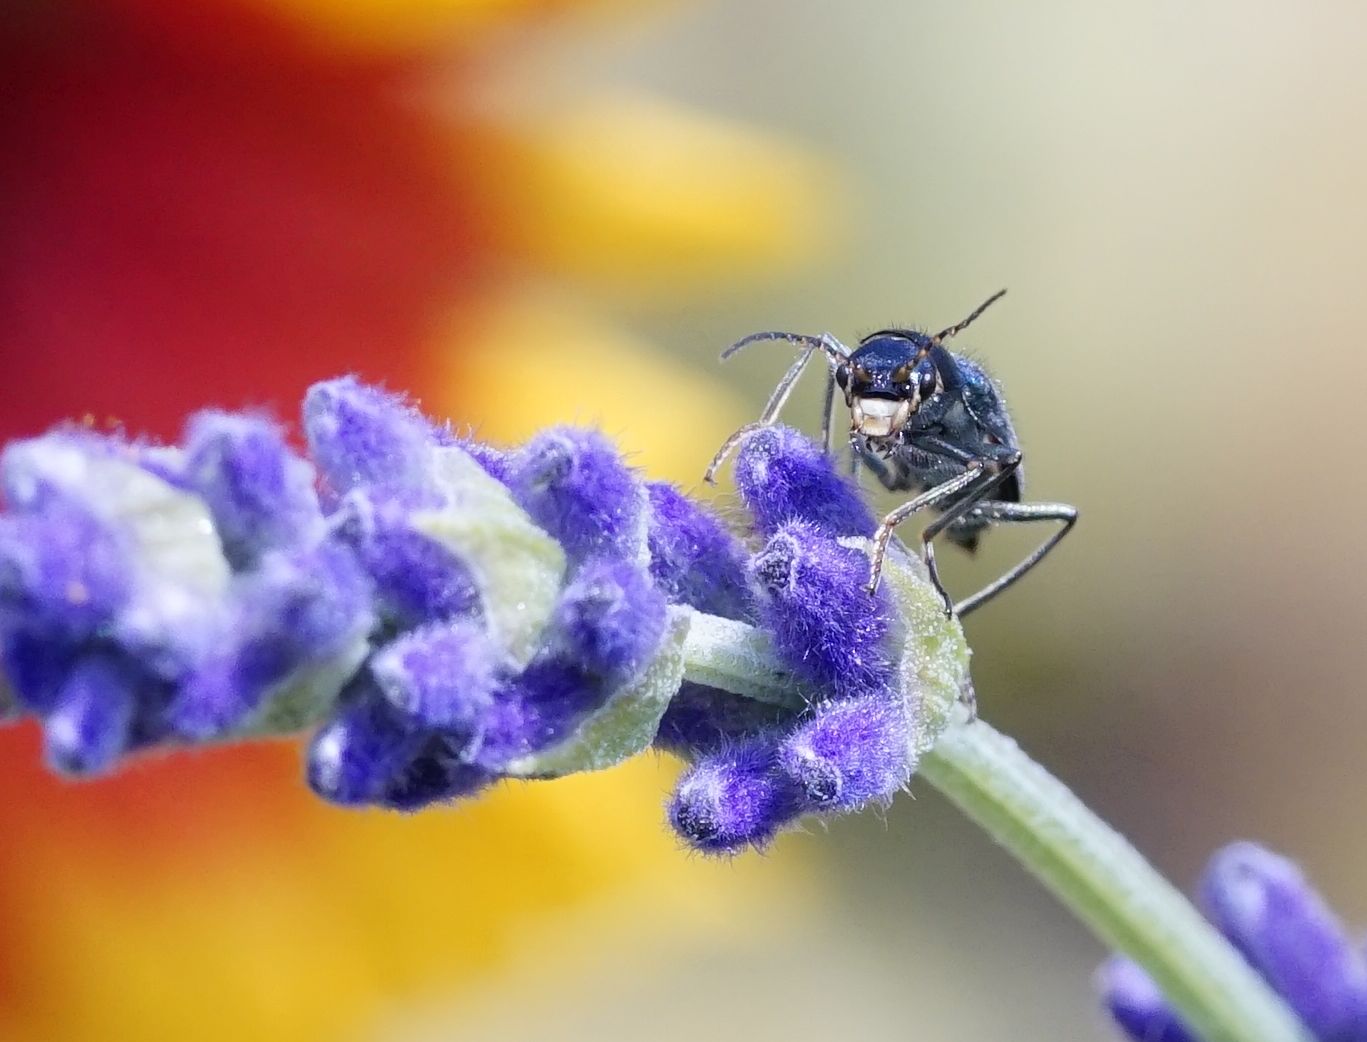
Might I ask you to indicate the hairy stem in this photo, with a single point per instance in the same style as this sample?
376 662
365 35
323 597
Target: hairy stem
1106 882
1083 861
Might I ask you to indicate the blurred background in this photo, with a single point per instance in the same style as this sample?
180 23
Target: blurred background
527 212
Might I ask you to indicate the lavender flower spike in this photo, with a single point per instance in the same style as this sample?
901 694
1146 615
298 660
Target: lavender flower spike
560 617
445 614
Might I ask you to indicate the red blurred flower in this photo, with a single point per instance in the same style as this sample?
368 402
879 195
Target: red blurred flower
202 206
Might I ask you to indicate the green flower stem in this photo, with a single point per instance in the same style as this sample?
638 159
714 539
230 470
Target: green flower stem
1083 861
1105 882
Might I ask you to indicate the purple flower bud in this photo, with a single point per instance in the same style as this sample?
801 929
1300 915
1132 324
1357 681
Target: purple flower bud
260 493
693 557
35 664
575 485
704 719
824 623
87 728
535 710
849 753
782 475
1136 1004
610 618
291 613
435 775
417 580
443 676
61 568
733 798
361 435
364 749
1267 909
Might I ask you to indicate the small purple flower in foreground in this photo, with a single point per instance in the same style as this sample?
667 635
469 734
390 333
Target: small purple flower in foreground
782 476
693 557
1267 909
1136 1004
576 486
734 798
822 619
443 614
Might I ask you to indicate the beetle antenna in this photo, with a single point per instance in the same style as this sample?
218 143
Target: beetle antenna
833 348
959 327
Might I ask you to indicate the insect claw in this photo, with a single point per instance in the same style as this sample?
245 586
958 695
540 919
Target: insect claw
875 574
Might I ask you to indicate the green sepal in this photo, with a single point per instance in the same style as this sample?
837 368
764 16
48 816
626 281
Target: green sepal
932 653
626 724
516 566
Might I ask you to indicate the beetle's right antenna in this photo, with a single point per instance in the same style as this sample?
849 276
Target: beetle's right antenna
959 327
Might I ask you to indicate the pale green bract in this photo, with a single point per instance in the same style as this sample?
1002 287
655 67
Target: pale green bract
934 656
626 724
517 568
180 570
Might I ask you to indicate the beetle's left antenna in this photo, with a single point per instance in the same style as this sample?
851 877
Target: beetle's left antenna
959 327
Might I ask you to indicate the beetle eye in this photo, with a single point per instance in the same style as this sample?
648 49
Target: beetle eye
842 376
928 381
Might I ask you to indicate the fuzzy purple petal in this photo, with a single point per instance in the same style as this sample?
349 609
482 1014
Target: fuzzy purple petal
1269 911
535 710
261 494
294 612
357 756
35 664
824 623
703 719
362 435
87 727
694 558
610 618
444 675
417 580
575 485
436 774
782 475
849 753
61 568
733 799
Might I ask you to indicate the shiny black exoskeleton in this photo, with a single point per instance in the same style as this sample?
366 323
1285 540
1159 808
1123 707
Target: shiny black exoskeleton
927 421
